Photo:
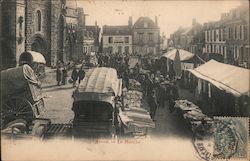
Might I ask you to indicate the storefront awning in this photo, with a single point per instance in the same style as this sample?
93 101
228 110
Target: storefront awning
184 55
226 77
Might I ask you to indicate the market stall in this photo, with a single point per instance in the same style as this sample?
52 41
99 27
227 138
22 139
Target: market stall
227 89
135 119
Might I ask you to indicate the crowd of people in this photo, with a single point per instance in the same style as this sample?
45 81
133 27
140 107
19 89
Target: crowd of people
158 86
62 70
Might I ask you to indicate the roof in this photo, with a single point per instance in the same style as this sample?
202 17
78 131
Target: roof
116 30
32 56
226 77
100 81
184 55
140 23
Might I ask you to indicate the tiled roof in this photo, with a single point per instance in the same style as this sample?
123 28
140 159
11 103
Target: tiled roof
116 30
140 23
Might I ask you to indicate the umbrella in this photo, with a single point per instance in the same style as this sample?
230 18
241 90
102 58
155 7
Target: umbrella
177 64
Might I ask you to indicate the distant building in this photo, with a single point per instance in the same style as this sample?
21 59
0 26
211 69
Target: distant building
91 38
117 39
237 36
146 36
183 37
215 40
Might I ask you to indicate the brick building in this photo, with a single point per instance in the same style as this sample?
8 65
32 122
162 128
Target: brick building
40 25
146 36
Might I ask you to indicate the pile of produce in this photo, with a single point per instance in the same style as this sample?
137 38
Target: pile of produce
194 116
132 99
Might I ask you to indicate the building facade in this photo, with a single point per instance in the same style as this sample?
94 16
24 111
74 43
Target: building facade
237 36
12 32
215 41
117 39
146 36
42 25
91 39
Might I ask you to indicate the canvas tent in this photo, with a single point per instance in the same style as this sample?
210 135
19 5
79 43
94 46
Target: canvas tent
225 77
184 55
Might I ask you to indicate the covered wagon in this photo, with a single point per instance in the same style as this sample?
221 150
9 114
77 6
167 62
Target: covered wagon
21 95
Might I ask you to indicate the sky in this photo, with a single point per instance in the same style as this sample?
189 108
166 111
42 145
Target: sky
171 14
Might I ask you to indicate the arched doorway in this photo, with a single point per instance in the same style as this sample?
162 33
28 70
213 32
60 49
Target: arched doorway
39 45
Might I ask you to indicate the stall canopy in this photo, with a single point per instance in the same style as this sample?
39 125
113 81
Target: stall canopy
226 77
30 57
101 80
184 55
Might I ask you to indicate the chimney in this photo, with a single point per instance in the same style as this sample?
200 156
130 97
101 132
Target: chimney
156 21
130 23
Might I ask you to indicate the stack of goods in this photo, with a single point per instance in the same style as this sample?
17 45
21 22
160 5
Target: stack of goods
201 126
136 121
134 85
132 99
193 115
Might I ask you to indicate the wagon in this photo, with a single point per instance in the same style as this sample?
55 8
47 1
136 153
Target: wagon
21 95
95 102
36 61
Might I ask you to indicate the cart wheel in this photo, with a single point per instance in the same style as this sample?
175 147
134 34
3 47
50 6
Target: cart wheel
15 108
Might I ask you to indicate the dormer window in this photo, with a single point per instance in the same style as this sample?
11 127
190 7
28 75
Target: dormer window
145 25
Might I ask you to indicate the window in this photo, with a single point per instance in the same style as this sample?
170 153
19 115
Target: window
110 40
235 32
215 35
220 34
241 32
210 35
126 49
126 39
207 33
141 37
38 20
150 36
230 33
119 49
145 25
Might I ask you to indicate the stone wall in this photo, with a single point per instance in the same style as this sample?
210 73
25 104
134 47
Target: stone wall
32 34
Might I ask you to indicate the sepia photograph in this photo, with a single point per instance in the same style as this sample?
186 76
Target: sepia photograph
124 80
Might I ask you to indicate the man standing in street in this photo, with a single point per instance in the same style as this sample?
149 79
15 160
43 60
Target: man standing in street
59 74
81 74
152 104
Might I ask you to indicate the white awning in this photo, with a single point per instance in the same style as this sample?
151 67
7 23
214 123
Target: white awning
184 55
226 77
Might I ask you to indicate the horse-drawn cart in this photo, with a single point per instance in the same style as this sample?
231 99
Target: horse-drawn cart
21 95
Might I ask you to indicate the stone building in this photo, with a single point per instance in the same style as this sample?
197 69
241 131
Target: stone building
39 25
12 31
215 40
117 39
146 36
88 42
95 30
183 38
237 36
